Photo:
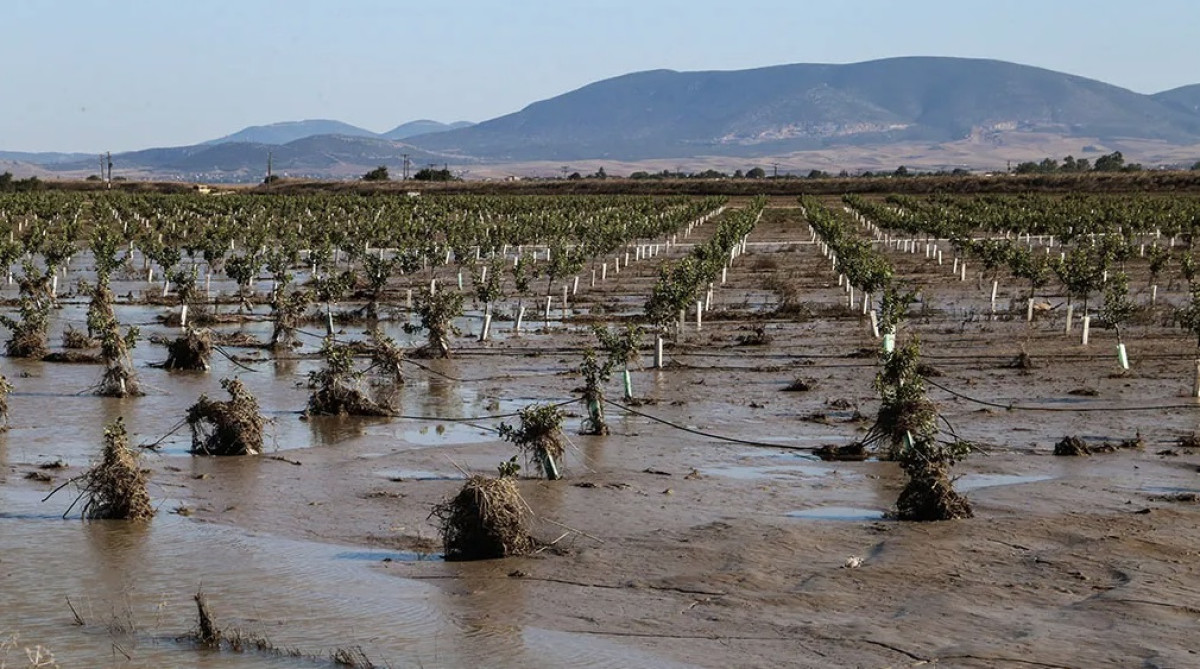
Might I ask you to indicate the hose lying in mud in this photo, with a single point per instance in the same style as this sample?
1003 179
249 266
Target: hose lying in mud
1016 407
733 440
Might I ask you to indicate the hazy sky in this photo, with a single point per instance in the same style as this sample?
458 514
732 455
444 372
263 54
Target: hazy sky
94 75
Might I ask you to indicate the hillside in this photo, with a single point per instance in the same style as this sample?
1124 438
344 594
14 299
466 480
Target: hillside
422 127
290 131
1184 97
663 113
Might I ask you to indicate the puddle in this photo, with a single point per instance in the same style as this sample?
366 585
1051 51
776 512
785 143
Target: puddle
969 482
839 513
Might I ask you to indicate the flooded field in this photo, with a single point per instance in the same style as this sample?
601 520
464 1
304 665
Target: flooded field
701 531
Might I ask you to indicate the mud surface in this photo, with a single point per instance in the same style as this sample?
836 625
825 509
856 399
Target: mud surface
664 547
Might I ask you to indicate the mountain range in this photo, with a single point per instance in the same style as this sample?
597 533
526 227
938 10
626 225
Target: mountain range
923 109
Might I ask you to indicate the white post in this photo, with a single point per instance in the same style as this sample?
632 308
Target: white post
874 324
520 317
1087 325
699 313
1122 357
1070 314
183 317
995 285
658 358
1029 311
487 324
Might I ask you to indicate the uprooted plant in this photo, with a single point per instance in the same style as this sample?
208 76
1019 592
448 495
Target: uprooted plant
115 487
539 436
337 386
908 422
232 427
487 519
190 351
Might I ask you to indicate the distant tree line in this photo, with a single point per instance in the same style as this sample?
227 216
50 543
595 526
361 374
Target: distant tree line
10 185
760 173
1113 162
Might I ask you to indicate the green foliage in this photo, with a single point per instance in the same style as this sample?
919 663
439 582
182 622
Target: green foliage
1160 258
1117 307
539 434
893 307
509 468
431 174
907 420
1081 272
378 174
1189 315
437 311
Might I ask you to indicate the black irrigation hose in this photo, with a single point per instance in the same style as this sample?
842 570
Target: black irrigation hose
1016 407
735 440
473 418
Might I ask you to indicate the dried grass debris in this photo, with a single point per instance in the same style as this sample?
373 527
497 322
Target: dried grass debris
487 519
233 427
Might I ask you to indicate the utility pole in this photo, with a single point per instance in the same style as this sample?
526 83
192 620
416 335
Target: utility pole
404 168
108 155
776 170
270 155
102 167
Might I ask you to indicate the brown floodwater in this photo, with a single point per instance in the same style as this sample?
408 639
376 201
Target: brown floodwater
132 584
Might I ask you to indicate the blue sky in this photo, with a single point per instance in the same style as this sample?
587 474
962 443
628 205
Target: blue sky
95 75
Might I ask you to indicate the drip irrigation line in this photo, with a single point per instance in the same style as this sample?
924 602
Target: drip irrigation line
1016 407
222 351
677 426
473 419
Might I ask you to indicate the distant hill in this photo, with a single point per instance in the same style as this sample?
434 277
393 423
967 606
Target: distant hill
772 110
1184 97
290 131
422 127
47 158
317 156
920 110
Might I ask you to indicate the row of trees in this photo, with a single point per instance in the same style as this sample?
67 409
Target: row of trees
1112 162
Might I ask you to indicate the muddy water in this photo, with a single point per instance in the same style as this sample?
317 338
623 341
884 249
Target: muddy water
133 584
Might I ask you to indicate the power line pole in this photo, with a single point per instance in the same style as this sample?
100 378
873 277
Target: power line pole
108 155
404 169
